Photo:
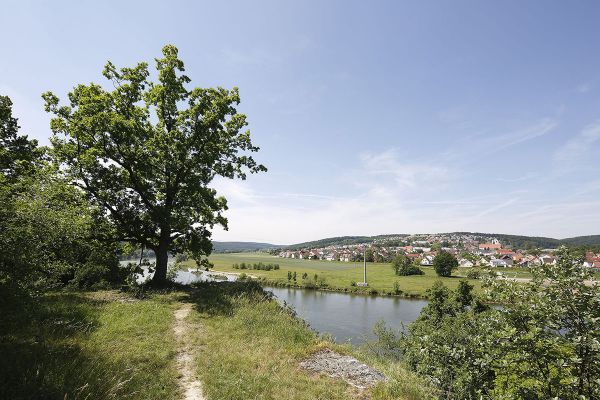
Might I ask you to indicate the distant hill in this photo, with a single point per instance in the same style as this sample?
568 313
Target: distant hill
524 242
235 247
334 241
342 241
516 241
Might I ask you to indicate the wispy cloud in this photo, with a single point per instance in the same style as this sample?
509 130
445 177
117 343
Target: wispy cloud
496 207
516 179
538 129
580 145
405 174
483 143
584 87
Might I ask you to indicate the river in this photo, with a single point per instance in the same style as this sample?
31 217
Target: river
346 317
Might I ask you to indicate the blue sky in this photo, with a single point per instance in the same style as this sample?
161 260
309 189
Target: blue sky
372 117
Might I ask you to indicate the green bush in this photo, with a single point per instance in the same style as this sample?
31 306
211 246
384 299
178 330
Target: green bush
403 266
473 274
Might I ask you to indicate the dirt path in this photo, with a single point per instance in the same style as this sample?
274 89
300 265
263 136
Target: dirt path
191 386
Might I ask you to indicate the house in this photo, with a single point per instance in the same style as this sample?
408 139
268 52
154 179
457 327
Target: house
331 256
464 263
490 246
505 252
508 259
427 261
547 260
498 262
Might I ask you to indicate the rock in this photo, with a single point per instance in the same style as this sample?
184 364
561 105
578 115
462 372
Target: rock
347 368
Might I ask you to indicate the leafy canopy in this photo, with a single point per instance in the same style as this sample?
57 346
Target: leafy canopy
444 263
147 151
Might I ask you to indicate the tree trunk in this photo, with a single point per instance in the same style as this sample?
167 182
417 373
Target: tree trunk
162 258
160 274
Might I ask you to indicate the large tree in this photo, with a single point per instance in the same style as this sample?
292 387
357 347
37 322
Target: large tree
444 263
147 151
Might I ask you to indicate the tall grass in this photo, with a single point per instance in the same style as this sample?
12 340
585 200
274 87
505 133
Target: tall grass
251 347
72 346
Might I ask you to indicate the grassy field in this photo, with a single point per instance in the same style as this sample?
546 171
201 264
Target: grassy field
338 275
88 346
251 349
107 345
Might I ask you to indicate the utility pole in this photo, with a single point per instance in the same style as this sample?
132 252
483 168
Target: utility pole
365 264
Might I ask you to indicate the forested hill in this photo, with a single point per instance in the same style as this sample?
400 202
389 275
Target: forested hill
234 247
524 242
344 240
516 241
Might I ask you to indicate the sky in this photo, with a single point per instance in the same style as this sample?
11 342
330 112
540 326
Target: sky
372 117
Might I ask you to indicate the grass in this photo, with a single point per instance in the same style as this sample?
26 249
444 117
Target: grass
88 346
106 345
339 275
251 348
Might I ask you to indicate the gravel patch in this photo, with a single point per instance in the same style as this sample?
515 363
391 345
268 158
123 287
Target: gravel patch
347 368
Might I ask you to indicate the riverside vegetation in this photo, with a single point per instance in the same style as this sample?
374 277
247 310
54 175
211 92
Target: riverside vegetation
342 276
118 178
109 344
131 168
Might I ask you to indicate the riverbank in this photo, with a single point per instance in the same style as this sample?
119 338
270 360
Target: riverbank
337 276
110 344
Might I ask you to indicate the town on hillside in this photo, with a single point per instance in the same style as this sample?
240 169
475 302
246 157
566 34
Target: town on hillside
471 250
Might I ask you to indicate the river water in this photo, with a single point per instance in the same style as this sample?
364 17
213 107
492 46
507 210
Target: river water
349 317
346 317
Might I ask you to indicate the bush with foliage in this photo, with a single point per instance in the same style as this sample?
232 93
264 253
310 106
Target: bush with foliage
473 274
444 263
403 266
542 343
50 235
256 266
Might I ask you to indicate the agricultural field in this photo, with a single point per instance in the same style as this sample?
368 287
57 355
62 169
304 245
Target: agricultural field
339 275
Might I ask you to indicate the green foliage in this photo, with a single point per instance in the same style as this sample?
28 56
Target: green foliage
473 274
19 156
542 343
444 263
403 266
49 234
147 151
550 338
257 266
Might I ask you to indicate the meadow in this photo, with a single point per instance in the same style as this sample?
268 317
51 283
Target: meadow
109 344
337 275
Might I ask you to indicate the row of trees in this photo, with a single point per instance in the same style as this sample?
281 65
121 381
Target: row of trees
443 264
542 343
257 266
129 165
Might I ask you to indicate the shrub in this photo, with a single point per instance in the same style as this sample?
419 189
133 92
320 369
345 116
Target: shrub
473 274
444 263
403 266
397 290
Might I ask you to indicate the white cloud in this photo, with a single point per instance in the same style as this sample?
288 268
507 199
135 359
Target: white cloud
580 145
407 174
482 144
536 130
